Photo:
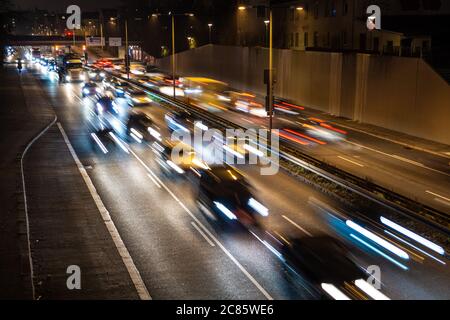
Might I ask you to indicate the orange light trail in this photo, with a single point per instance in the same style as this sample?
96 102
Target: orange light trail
305 136
293 105
292 138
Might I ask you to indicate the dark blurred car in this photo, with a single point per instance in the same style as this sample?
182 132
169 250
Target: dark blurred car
225 192
104 104
180 120
116 87
89 89
137 98
325 263
141 127
44 62
52 65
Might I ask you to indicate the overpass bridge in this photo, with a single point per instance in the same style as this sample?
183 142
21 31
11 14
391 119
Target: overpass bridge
29 40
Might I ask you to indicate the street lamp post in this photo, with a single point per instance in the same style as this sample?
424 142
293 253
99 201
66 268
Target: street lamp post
266 24
270 76
172 15
209 27
173 56
127 56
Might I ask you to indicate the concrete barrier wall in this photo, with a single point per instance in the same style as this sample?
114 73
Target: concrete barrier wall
401 94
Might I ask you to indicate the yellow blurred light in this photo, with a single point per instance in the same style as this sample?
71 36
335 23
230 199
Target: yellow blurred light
242 8
299 8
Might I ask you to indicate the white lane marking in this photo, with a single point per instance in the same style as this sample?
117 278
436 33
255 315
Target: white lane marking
408 160
203 234
415 247
351 161
438 195
99 143
121 248
154 181
25 203
119 142
217 242
397 158
445 155
298 226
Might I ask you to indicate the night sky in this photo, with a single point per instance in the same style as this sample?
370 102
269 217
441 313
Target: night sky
61 5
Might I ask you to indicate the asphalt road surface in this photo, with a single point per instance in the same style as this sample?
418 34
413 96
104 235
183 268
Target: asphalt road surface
182 253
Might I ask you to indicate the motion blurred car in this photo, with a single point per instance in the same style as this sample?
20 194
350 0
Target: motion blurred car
51 66
245 102
236 148
325 264
141 127
103 63
321 129
181 120
96 75
105 104
137 98
178 163
43 61
226 193
90 89
116 87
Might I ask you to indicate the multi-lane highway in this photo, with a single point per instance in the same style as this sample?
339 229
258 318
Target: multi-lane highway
182 252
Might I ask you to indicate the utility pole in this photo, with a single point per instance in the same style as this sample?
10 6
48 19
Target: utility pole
101 34
127 56
210 26
270 75
173 55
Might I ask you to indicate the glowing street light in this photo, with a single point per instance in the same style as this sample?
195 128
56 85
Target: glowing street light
210 26
242 8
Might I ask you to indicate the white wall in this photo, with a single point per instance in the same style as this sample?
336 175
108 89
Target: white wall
401 94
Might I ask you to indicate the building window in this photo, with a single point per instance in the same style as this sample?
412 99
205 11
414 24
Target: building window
344 7
306 11
316 39
316 9
296 39
292 39
305 40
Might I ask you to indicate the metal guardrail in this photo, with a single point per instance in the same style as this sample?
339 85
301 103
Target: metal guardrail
369 190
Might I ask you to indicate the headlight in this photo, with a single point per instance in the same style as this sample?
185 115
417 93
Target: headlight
230 215
99 108
102 74
82 77
98 90
92 74
86 91
258 207
67 78
175 167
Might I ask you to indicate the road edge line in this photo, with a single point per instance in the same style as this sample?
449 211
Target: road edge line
25 203
133 272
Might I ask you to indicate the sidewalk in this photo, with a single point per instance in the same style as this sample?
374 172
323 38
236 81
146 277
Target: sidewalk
19 123
65 225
